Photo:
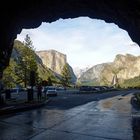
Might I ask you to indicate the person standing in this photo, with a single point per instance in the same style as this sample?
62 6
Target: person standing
39 92
17 88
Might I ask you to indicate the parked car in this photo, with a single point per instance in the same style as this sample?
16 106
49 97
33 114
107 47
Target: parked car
60 88
85 88
16 90
51 91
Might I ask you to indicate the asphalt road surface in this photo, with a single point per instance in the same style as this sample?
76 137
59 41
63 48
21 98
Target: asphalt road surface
106 116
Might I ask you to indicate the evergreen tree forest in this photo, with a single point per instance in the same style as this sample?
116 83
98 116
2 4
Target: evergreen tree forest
23 61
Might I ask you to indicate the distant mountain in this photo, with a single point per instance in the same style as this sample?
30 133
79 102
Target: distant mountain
44 72
124 66
73 76
93 75
79 71
50 62
55 61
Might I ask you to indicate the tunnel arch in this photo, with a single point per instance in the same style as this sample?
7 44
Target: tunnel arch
30 14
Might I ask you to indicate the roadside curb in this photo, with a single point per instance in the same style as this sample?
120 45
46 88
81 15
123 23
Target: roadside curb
15 109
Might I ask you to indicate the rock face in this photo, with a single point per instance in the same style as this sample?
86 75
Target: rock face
44 72
92 73
124 66
53 60
78 71
30 14
73 76
129 66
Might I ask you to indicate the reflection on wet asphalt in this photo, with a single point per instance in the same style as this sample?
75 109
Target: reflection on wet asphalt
108 119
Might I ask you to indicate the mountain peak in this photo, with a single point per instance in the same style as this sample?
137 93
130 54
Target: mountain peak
55 61
125 66
125 58
50 51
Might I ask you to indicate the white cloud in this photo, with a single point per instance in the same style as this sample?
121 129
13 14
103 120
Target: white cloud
85 41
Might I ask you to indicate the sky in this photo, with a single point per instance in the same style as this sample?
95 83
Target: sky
85 41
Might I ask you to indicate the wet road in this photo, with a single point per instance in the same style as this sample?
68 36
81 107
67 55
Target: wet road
92 117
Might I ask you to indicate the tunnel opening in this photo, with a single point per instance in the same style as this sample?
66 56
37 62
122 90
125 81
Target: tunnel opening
123 13
109 49
83 43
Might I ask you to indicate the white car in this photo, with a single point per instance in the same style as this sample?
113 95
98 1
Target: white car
51 91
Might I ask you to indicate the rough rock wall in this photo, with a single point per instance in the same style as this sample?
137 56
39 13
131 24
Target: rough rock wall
129 66
93 73
125 66
53 60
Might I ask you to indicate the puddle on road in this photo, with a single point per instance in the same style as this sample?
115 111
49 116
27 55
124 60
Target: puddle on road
107 104
119 104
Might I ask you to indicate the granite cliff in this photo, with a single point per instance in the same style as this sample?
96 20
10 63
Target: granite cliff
55 61
124 66
44 72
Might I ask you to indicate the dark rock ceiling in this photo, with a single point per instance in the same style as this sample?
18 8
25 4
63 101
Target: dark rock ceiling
16 15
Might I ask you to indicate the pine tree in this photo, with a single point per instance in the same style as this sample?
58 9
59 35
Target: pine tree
9 78
29 60
26 61
28 42
49 81
66 75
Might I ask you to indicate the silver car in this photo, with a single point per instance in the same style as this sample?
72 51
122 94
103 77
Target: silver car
51 91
